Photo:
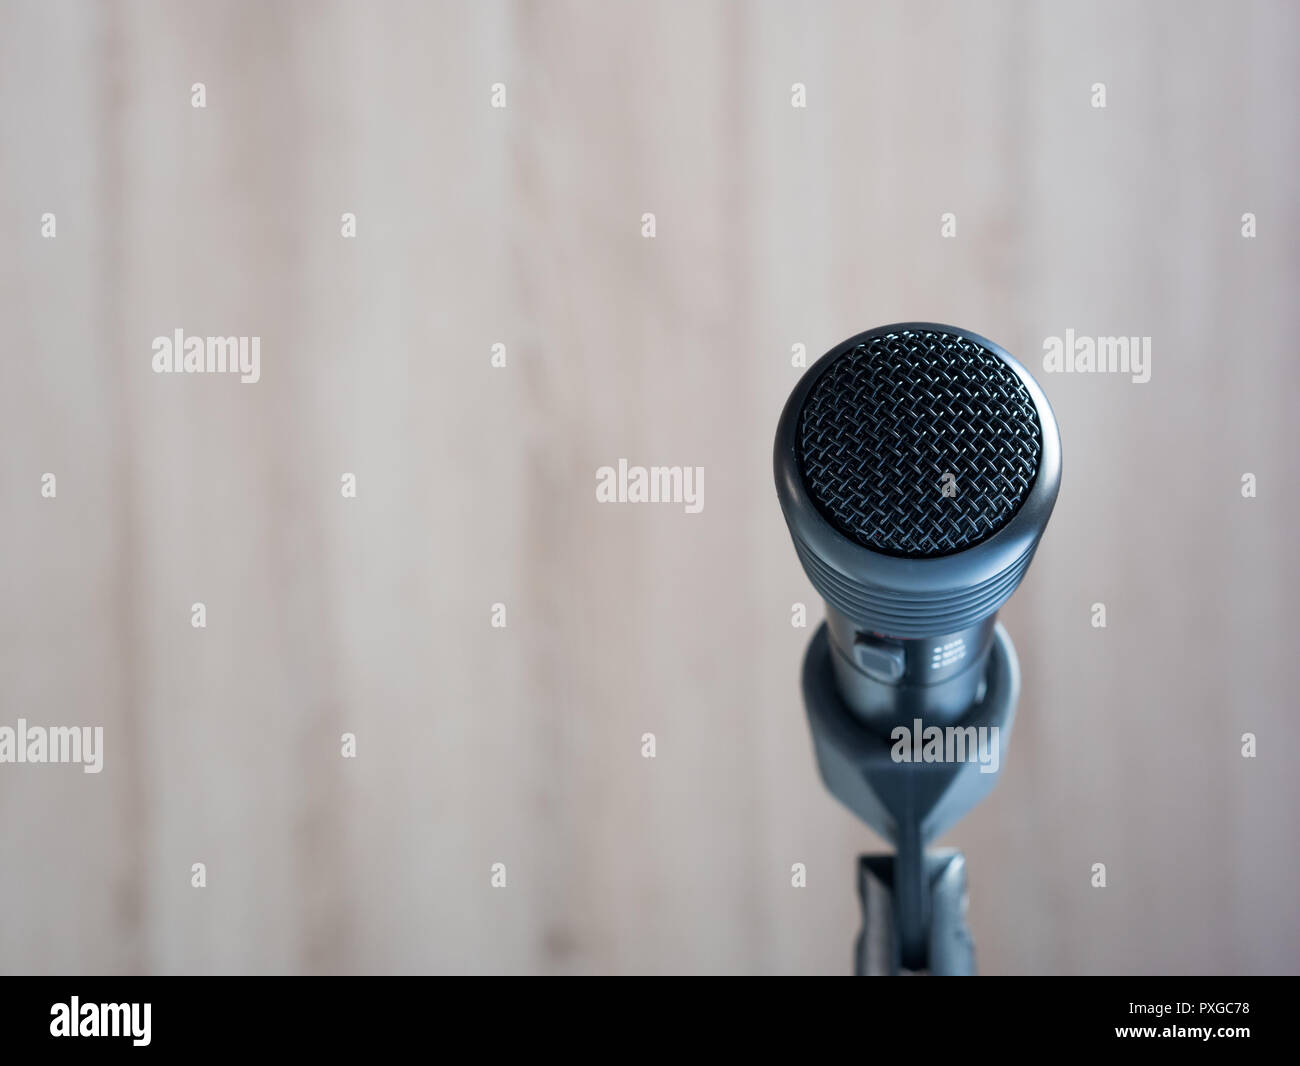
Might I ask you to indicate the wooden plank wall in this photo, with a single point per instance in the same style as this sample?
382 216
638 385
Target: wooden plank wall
775 226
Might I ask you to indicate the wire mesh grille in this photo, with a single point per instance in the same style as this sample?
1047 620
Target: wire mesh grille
919 443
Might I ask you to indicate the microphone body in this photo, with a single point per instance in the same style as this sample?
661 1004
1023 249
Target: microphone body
886 679
916 465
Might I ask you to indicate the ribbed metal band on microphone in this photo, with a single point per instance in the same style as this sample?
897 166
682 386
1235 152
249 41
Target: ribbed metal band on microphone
909 614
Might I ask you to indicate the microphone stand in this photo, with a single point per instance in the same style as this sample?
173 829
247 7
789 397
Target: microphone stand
914 901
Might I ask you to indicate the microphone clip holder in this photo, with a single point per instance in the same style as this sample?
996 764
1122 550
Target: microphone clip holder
913 902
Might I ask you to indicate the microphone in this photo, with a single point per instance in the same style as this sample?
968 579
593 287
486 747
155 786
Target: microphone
916 465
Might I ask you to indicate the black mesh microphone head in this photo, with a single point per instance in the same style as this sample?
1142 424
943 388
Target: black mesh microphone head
917 466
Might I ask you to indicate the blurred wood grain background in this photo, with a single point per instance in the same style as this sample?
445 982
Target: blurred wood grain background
775 226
